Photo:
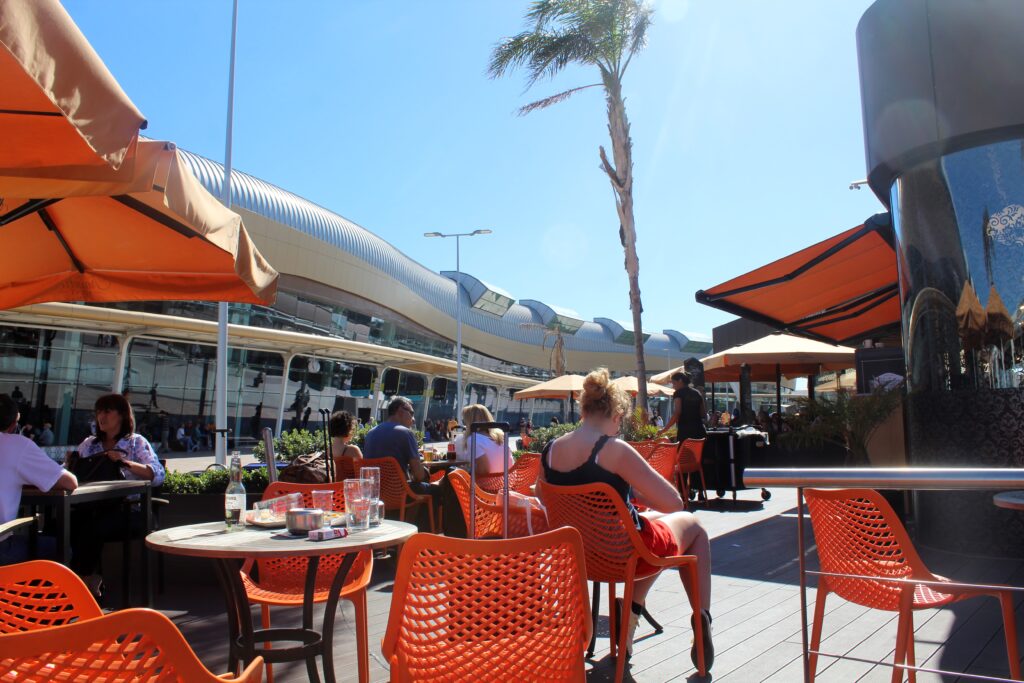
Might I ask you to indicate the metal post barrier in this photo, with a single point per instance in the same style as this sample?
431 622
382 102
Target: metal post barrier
886 478
271 459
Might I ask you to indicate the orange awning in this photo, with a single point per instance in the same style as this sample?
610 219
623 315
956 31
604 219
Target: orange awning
62 114
161 236
839 290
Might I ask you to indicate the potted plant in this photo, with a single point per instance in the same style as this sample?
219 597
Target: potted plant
199 497
848 421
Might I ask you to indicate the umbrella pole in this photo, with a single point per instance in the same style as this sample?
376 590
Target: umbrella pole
222 307
778 389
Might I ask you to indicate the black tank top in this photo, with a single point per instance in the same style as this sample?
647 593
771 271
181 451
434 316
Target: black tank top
590 473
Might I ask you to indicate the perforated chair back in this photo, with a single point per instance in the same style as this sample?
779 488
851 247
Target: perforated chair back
467 610
521 476
130 645
394 488
40 594
489 511
663 459
344 467
858 533
610 539
691 455
644 448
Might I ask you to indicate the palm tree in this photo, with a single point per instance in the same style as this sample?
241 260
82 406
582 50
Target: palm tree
556 362
606 34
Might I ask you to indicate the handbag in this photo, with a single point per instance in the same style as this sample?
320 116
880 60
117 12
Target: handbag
94 468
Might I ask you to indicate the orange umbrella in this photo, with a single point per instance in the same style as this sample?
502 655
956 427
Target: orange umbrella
970 318
792 356
62 114
161 236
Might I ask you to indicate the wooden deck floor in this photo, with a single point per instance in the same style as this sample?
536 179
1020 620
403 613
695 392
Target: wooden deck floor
756 610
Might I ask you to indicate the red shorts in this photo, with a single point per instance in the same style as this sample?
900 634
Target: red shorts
659 539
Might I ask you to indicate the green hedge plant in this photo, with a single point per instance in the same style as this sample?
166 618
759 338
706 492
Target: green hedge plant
212 481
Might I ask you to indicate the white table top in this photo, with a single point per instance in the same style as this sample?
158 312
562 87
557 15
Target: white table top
212 539
1012 500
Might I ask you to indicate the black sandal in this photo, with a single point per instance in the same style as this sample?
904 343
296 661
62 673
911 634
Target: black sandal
709 647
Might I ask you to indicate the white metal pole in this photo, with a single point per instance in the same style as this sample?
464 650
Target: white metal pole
458 331
221 389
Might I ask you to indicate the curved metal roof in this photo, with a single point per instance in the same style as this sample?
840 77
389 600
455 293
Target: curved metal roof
297 213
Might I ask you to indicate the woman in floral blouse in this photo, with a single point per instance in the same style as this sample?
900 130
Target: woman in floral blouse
95 523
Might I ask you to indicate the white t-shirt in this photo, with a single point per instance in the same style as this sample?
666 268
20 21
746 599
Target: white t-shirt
22 462
485 448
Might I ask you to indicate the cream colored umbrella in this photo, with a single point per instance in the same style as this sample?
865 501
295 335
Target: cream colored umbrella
559 387
62 113
629 384
160 236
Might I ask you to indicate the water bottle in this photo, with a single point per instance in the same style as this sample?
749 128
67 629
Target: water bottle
234 496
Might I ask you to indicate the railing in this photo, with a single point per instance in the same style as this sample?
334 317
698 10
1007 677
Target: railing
886 478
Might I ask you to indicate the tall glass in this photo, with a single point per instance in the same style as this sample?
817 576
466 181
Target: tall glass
372 476
357 504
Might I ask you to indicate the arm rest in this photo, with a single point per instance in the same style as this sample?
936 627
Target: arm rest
15 524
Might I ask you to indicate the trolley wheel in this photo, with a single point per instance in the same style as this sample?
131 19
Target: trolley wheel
693 494
766 494
720 492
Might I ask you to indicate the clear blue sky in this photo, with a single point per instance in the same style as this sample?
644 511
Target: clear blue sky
745 117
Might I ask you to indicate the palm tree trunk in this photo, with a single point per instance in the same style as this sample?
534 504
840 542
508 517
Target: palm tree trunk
621 177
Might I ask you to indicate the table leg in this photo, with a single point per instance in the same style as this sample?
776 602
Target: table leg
64 531
147 558
307 615
239 616
329 612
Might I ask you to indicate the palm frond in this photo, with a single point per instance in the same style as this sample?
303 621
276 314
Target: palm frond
554 99
558 51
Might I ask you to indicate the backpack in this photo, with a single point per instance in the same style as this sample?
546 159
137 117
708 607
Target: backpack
309 468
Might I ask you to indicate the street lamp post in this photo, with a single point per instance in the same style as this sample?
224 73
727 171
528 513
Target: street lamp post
458 309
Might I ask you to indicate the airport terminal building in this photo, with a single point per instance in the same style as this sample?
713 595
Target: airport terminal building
355 322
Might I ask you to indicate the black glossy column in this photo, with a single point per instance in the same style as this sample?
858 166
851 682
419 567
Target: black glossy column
943 102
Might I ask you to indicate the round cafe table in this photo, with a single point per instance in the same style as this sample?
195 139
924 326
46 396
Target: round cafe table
228 550
1011 500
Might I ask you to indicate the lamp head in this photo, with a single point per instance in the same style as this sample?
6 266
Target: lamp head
484 231
432 234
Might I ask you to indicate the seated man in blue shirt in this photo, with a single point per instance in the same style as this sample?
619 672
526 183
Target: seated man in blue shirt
394 438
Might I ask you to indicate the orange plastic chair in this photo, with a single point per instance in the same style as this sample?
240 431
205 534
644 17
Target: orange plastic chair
489 511
613 547
282 581
41 594
691 455
394 488
521 476
644 448
467 610
130 645
344 467
663 459
858 533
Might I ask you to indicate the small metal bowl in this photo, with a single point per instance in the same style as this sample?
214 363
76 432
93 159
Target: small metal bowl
301 520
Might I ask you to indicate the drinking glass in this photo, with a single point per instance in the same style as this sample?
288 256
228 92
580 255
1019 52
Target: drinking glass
324 499
357 504
372 476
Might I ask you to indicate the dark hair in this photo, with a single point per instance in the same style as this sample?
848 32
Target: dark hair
123 407
682 376
396 403
8 412
340 424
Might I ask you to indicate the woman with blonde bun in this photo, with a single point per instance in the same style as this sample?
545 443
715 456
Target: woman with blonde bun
490 449
594 454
